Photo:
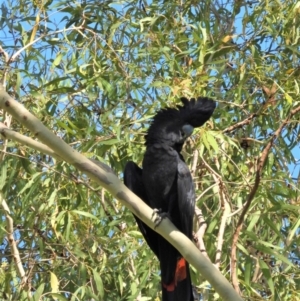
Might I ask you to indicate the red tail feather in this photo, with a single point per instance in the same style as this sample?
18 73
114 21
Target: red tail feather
180 274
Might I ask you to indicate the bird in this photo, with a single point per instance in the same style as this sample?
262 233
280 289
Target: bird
165 184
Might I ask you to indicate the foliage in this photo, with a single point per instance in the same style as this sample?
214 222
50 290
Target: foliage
95 73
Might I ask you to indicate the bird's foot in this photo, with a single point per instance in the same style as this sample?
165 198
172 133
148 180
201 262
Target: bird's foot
158 216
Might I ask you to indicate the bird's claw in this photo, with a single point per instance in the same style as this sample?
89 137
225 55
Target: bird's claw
159 216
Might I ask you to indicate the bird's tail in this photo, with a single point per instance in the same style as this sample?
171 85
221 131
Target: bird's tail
180 289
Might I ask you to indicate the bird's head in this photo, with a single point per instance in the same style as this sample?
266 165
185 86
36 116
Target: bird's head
167 128
172 126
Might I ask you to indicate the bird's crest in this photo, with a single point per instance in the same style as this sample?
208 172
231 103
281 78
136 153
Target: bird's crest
194 112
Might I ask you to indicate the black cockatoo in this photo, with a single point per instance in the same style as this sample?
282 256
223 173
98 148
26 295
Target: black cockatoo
165 183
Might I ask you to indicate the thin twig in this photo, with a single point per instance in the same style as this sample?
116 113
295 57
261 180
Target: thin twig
5 70
201 231
224 199
194 162
240 124
12 243
13 57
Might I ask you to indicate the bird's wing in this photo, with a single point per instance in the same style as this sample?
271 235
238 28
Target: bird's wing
133 180
186 198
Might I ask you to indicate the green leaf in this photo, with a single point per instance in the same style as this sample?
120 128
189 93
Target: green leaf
120 280
109 141
248 269
87 214
58 59
267 274
58 297
54 283
3 173
98 283
38 293
211 141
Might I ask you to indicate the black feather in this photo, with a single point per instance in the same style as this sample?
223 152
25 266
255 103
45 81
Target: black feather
166 183
196 112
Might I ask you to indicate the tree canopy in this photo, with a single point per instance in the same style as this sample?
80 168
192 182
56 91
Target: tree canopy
95 73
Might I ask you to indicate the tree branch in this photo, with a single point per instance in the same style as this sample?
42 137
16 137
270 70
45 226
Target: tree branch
240 124
103 175
13 245
8 133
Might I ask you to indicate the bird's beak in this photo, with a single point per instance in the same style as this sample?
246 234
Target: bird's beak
188 130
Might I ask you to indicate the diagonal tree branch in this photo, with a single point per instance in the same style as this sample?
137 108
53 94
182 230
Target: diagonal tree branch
240 124
103 175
